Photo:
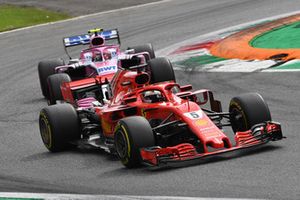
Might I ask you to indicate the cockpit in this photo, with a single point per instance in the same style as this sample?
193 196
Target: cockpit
100 54
97 56
153 96
107 55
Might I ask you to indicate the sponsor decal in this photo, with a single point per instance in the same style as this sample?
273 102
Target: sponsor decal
107 70
77 40
113 52
201 122
210 131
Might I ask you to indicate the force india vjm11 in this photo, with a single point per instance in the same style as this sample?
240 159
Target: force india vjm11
100 58
145 117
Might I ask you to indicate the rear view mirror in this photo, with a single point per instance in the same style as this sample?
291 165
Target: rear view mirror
201 96
185 88
127 63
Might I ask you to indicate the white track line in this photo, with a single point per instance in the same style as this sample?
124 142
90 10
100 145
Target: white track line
86 16
103 197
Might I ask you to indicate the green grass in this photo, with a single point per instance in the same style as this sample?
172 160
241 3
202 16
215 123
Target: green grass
289 66
12 17
284 37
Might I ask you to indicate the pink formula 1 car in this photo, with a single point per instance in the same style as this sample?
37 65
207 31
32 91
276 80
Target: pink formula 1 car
99 59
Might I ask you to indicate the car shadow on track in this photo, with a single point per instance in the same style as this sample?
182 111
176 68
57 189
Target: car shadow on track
95 151
39 156
240 153
48 155
122 171
119 170
35 101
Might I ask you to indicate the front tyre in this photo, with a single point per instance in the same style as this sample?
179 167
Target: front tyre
248 110
131 134
59 124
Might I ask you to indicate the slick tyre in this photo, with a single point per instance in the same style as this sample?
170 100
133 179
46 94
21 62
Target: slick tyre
59 125
45 69
144 48
248 110
54 83
160 70
131 134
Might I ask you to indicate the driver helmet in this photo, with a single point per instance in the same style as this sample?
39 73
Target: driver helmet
97 56
107 55
153 96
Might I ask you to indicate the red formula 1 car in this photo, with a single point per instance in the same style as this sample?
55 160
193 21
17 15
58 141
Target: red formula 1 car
99 59
144 116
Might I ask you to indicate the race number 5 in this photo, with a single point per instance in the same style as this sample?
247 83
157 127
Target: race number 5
194 115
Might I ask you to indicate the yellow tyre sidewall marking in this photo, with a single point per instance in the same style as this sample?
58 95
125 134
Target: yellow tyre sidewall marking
125 133
48 132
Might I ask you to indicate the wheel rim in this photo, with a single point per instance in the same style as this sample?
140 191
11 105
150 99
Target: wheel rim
237 120
121 144
45 132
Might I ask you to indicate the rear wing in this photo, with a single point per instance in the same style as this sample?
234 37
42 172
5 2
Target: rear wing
84 39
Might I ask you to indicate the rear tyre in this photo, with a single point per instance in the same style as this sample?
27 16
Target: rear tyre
59 125
161 70
144 48
248 110
45 69
131 134
54 83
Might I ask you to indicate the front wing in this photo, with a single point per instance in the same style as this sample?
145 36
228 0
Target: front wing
186 153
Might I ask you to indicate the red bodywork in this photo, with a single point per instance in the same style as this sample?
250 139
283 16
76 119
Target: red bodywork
127 99
187 152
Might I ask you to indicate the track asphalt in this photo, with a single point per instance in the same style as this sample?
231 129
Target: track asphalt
271 172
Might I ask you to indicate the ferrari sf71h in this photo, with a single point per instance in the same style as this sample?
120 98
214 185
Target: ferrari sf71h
144 116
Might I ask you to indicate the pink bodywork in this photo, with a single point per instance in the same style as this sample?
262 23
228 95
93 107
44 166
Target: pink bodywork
108 65
86 102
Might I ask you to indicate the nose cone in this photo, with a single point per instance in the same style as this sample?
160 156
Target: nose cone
216 143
